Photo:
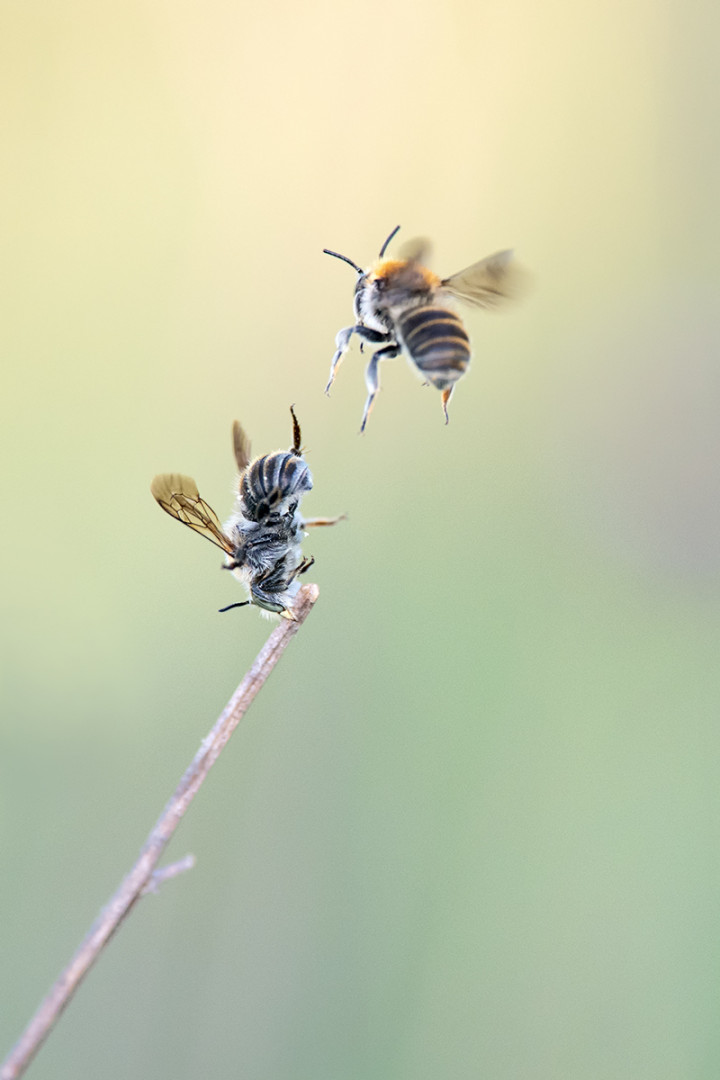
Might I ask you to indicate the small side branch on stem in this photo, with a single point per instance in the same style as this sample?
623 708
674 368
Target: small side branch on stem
166 872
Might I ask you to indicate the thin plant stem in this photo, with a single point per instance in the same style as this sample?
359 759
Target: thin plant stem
144 877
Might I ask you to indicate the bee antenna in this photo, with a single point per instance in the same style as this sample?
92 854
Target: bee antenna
383 249
243 603
336 255
296 447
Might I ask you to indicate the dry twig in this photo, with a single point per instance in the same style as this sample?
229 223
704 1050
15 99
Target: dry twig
143 877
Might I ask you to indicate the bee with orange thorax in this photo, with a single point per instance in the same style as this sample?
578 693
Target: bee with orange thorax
262 539
404 307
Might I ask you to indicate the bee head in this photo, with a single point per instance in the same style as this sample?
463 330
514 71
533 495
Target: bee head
394 282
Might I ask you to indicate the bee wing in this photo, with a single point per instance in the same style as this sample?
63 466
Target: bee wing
415 251
487 283
241 446
178 495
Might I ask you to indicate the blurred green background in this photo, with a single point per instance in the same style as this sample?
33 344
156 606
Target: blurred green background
470 828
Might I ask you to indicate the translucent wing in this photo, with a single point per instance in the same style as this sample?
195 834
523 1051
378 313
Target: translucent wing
241 446
178 495
415 251
488 282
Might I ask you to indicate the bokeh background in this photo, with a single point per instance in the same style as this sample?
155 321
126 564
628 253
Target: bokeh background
470 828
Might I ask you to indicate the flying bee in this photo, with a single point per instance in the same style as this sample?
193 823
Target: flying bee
262 538
404 307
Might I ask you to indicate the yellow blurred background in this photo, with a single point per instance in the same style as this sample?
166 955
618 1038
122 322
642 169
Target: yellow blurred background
470 827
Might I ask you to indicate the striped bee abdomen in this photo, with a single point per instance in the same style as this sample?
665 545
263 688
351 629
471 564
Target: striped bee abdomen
437 343
271 479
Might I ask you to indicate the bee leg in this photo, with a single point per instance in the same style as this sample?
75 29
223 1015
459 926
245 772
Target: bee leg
372 379
446 395
376 336
313 523
243 603
301 567
342 344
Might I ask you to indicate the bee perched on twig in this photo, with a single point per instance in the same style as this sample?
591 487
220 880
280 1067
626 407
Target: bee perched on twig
262 539
402 306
